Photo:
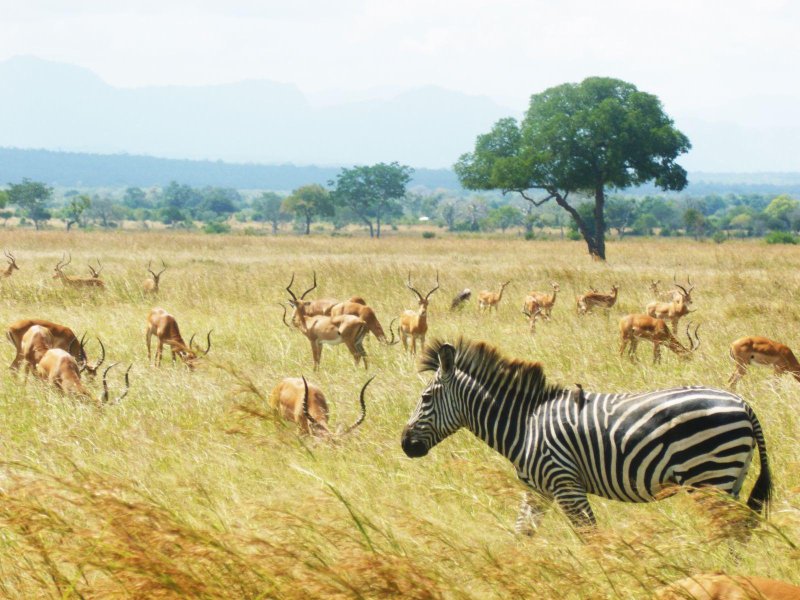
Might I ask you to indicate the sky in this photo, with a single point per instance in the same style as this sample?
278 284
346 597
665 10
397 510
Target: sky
718 62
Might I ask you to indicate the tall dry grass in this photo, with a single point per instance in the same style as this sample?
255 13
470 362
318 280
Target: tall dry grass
192 488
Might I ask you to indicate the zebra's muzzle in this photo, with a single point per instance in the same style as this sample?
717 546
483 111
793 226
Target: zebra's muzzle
413 448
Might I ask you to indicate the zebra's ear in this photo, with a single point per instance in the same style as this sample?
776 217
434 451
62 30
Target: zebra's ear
447 359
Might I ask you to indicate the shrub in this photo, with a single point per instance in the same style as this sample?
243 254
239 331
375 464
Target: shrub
781 237
428 235
719 237
573 235
217 227
529 235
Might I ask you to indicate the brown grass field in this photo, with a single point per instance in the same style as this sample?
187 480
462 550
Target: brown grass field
190 487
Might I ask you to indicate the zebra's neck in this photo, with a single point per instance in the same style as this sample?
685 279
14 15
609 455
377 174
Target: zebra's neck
497 411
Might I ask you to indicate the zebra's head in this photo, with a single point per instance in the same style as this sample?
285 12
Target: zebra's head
436 415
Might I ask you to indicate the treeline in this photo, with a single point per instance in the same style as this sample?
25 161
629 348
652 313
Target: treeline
377 196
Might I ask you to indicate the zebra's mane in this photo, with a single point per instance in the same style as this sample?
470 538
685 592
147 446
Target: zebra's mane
480 358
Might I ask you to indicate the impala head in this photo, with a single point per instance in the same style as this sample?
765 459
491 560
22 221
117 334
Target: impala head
423 300
435 416
321 428
685 293
81 356
84 365
96 273
555 286
503 285
58 269
156 276
654 283
12 262
614 289
190 354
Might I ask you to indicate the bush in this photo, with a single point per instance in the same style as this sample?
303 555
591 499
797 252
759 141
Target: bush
529 235
217 227
428 235
719 237
781 237
573 235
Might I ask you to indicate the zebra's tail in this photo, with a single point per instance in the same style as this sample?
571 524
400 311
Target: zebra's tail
761 495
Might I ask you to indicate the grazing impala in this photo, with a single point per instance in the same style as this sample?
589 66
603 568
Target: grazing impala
594 299
12 264
414 323
60 369
95 273
324 330
487 299
674 310
305 404
633 328
718 586
532 311
762 351
62 337
164 326
542 300
35 344
150 286
74 280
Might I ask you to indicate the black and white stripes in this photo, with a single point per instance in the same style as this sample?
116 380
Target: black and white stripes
566 445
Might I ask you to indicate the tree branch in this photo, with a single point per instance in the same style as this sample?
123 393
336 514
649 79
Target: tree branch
534 202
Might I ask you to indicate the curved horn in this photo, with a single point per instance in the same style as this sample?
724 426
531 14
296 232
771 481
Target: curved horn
163 264
311 420
102 355
82 362
283 306
289 289
104 397
363 414
428 295
311 288
409 286
208 342
683 289
391 331
191 342
693 344
68 261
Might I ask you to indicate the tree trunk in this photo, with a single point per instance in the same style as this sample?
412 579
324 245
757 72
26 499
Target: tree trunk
308 224
70 224
378 219
274 227
369 224
599 223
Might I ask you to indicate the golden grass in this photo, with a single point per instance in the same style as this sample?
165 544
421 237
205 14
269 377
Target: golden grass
191 488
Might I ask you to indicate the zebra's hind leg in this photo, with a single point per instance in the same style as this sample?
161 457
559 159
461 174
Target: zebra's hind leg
575 504
531 510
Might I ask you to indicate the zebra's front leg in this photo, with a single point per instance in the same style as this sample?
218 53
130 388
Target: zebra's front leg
531 510
576 506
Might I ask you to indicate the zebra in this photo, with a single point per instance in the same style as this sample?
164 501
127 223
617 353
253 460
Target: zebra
567 443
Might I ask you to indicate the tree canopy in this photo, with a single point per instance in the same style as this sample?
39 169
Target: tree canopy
579 138
32 197
309 202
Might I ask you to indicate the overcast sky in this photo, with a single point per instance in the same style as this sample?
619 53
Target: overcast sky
727 60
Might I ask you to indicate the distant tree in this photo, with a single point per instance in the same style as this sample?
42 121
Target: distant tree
373 193
783 212
620 214
220 201
504 217
32 198
601 133
644 224
267 208
105 212
134 198
179 196
4 214
695 222
72 213
3 199
308 203
449 212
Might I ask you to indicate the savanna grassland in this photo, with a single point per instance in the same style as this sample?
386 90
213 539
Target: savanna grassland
190 487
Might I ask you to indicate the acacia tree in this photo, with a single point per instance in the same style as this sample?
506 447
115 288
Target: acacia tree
373 193
586 137
72 213
32 198
309 202
268 208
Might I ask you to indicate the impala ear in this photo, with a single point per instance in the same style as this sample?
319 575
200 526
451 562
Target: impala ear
447 359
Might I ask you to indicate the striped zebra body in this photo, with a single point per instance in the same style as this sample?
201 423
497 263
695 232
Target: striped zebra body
564 446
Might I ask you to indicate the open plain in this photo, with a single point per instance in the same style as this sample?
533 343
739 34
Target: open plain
192 487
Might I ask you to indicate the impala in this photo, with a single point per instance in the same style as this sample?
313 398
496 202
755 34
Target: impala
633 328
74 280
305 404
164 326
35 344
61 369
316 307
414 323
324 330
674 310
63 337
532 311
594 299
544 300
668 295
487 299
460 299
12 264
718 586
95 273
150 286
762 351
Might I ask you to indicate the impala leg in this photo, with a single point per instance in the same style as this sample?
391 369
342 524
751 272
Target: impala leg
316 352
623 343
738 372
404 339
159 353
147 336
632 349
422 342
413 344
656 352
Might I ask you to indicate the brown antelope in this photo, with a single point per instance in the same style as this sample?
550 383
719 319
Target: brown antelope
12 264
317 307
674 310
150 286
718 586
95 273
542 299
62 337
164 326
487 299
668 295
762 351
35 344
414 323
325 330
305 404
60 369
74 280
532 311
594 299
633 328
